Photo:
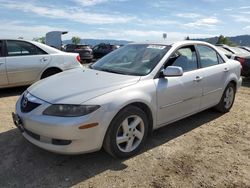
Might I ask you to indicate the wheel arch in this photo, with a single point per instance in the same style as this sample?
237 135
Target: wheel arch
232 79
57 69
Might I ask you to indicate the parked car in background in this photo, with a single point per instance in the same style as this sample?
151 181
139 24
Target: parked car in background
227 53
25 62
239 54
84 51
245 48
115 104
103 49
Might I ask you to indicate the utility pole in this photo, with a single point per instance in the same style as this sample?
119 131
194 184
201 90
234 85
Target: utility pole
164 35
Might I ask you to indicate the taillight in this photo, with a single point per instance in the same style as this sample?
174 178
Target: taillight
241 60
78 58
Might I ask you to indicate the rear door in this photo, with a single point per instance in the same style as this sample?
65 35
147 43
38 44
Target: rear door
3 75
214 72
24 62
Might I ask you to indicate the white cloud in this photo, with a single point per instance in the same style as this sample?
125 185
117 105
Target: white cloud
247 28
241 18
86 3
245 12
245 7
72 14
188 15
86 17
228 9
157 22
17 29
205 22
90 2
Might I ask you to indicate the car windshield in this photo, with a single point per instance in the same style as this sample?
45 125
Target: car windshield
132 59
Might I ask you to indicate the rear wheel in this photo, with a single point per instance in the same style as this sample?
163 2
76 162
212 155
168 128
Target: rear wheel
126 133
227 99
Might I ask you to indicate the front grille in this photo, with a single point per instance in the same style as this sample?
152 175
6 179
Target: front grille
53 140
33 135
61 142
28 106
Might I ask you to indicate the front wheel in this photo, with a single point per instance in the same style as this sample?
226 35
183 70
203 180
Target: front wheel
227 99
126 133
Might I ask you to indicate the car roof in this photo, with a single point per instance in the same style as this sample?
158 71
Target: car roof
179 43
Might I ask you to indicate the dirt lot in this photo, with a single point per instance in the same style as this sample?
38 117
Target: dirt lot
206 150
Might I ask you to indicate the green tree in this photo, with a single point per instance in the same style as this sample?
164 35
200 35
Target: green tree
224 40
75 40
41 39
187 38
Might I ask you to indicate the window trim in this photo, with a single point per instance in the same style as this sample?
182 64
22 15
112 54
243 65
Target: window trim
158 74
37 48
217 55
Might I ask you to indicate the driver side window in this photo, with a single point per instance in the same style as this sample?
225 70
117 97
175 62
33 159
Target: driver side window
185 58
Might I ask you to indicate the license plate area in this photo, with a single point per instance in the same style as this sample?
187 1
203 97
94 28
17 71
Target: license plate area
18 122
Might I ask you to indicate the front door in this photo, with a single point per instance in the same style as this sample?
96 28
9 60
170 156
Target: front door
179 96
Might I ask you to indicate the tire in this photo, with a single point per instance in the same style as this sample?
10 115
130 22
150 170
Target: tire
227 99
50 72
126 133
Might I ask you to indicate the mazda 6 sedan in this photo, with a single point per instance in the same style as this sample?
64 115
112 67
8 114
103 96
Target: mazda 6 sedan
118 100
25 62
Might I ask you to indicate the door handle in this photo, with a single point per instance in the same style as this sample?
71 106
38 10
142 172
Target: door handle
226 69
1 63
44 59
198 78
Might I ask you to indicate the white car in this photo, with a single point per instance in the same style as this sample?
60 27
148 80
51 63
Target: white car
25 62
122 97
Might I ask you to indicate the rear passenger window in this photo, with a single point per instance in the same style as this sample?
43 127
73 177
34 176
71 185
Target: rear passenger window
208 56
185 58
20 48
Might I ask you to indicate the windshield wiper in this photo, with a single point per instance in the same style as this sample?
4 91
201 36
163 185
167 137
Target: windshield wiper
114 71
111 71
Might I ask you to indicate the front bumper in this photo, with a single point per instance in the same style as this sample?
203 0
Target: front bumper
62 134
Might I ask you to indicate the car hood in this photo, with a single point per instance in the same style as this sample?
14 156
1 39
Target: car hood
79 85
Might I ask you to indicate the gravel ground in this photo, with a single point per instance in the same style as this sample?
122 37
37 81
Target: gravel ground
205 150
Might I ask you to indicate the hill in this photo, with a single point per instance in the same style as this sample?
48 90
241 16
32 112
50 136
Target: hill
94 42
241 40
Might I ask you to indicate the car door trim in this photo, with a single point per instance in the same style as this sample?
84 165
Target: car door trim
219 89
178 102
171 104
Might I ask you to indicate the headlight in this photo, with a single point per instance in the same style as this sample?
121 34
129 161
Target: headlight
69 110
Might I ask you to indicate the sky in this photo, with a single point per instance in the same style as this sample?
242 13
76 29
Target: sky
134 20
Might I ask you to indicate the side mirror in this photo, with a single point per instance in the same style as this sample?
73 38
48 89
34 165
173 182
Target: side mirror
172 71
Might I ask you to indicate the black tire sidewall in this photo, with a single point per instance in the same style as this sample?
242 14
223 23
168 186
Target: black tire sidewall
110 138
221 106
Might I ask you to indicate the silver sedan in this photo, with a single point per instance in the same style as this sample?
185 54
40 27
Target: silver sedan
118 100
